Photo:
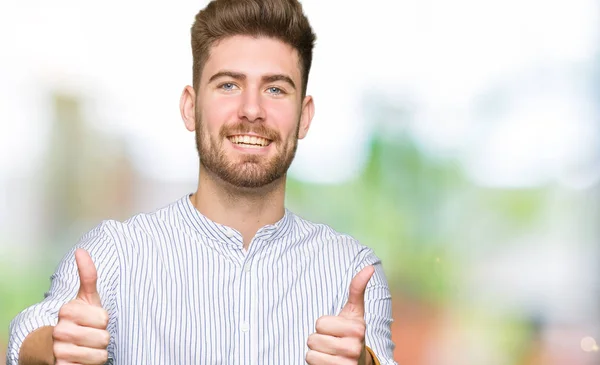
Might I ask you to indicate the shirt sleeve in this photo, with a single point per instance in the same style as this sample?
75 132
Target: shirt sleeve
373 356
64 285
378 309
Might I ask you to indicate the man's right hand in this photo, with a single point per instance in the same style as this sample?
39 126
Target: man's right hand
80 335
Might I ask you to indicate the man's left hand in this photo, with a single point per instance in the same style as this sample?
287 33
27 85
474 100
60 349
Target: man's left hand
340 339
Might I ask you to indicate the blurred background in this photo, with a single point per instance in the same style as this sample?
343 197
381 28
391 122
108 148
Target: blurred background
458 139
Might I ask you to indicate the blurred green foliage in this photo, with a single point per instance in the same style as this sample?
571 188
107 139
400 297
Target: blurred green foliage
20 287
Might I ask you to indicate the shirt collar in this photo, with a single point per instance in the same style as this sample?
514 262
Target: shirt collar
213 230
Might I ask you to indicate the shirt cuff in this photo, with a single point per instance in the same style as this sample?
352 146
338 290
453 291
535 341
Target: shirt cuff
375 359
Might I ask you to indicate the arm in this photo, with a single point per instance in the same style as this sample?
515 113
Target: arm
31 331
342 338
361 332
371 358
378 315
37 347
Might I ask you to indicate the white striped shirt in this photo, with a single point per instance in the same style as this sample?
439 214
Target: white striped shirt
181 289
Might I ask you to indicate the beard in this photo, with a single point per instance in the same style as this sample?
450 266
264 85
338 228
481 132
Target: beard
248 171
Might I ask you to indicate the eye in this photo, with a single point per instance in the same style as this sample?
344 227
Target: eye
275 90
228 86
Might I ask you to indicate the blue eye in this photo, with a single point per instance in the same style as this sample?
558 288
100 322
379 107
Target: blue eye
275 90
228 86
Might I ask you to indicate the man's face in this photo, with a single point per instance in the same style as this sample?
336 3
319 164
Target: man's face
249 110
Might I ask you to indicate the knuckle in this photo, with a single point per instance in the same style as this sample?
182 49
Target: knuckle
65 331
65 311
105 339
103 357
310 357
311 341
104 318
59 332
321 323
60 351
354 349
358 330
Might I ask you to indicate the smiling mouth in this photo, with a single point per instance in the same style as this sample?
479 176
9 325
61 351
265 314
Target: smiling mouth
249 141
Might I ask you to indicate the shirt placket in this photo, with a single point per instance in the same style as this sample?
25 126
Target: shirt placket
247 325
237 352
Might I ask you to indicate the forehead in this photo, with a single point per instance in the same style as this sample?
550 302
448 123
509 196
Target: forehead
253 56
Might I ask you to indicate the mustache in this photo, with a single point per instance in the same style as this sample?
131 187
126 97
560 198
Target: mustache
247 128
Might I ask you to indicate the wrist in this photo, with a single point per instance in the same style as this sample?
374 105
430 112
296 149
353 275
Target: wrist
370 358
365 357
37 348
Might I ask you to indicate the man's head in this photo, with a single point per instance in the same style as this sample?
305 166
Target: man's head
251 60
277 19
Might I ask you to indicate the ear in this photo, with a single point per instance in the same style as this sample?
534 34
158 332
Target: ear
187 107
308 111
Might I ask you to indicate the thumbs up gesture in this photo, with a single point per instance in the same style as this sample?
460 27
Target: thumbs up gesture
80 335
341 339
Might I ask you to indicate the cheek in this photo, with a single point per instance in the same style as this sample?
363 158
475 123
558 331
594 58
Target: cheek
216 113
285 117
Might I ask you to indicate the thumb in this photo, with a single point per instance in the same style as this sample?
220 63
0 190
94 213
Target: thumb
87 278
355 306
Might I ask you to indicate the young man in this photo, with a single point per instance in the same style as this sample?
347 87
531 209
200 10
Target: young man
225 275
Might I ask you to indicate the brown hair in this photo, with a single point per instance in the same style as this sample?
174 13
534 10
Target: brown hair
280 19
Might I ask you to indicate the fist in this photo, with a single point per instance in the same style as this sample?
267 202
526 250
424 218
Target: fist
341 339
337 341
80 335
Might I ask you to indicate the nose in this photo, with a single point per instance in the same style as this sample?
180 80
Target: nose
251 107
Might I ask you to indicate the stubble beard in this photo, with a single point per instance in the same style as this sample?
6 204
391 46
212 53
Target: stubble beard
251 171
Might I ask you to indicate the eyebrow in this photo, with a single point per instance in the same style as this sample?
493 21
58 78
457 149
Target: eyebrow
241 77
233 75
279 77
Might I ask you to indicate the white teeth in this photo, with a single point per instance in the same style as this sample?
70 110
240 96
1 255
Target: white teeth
249 140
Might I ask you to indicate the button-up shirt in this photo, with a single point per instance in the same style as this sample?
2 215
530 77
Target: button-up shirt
181 289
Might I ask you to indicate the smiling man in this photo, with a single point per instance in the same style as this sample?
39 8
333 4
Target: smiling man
225 275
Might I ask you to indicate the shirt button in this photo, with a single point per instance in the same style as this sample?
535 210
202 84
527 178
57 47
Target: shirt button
229 233
247 268
245 327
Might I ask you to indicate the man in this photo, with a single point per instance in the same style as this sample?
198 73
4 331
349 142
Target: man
225 275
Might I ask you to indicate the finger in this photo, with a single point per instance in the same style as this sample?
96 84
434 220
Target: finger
355 307
347 346
318 358
83 314
77 354
88 277
81 336
341 327
63 362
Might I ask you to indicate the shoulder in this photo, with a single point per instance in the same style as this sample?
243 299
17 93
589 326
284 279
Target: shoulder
140 227
329 239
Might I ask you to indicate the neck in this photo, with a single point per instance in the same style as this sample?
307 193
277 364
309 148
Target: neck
243 209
